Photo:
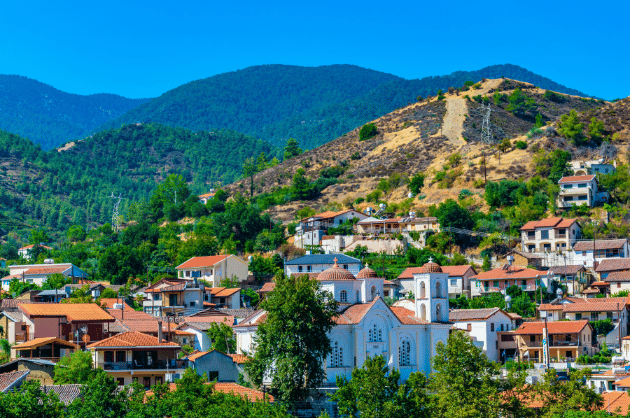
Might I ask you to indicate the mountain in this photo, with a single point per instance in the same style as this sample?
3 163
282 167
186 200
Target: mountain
440 138
311 104
50 117
59 188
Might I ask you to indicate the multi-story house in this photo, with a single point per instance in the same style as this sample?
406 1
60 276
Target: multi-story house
551 234
137 357
413 224
312 229
316 263
214 269
483 325
608 266
39 273
579 190
175 297
582 168
567 340
373 225
367 327
458 279
499 279
573 276
588 252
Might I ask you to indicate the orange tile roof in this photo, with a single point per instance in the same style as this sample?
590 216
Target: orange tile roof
616 402
232 389
512 272
195 356
353 314
239 358
38 342
602 283
555 222
554 327
607 244
457 271
109 303
45 270
226 319
72 311
132 339
267 287
623 382
612 264
549 307
227 292
406 316
207 261
571 179
608 306
28 247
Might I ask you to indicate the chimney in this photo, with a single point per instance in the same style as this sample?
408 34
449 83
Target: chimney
160 336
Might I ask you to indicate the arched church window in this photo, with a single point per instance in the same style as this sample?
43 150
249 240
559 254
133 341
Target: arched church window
423 312
358 297
343 296
438 289
423 291
336 357
375 334
373 292
438 311
404 353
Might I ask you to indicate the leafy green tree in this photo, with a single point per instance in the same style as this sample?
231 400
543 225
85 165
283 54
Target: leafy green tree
465 381
56 281
76 368
367 131
596 129
552 165
539 121
76 233
108 293
17 287
38 236
30 401
118 263
301 188
375 391
573 395
222 338
505 145
291 149
100 397
416 183
570 127
451 214
520 104
292 343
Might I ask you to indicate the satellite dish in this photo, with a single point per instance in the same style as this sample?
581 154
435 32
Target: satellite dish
382 206
559 292
508 298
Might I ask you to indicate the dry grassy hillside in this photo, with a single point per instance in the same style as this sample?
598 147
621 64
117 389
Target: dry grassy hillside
420 138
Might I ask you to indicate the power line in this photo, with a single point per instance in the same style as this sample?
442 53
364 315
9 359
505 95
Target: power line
486 129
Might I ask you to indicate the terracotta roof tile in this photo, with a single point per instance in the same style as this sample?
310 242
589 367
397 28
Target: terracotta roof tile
207 261
239 358
612 264
38 342
458 271
511 272
406 316
45 270
570 270
549 307
195 356
226 319
457 315
572 179
227 292
132 339
618 276
616 402
625 383
554 327
554 222
28 247
353 314
609 306
599 244
232 389
10 380
72 311
109 303
267 287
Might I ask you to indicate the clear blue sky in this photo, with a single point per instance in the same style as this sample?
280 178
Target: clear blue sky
144 48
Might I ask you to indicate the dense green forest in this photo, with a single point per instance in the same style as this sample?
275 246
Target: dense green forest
57 189
313 105
50 117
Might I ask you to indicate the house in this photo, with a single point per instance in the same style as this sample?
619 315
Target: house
619 281
134 356
582 168
458 281
499 279
40 370
50 296
76 322
316 263
12 380
588 252
44 348
567 340
574 276
551 234
593 309
413 224
174 297
215 365
367 327
483 325
214 269
203 198
580 190
606 267
312 229
27 251
39 273
375 226
199 323
223 297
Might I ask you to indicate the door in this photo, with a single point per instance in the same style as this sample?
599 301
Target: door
172 300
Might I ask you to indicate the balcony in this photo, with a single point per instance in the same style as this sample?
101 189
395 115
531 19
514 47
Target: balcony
144 365
554 344
23 337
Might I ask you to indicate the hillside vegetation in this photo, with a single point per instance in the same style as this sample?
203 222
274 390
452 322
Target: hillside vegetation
59 188
50 117
312 104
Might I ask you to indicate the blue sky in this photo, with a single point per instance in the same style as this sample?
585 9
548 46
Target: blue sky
142 48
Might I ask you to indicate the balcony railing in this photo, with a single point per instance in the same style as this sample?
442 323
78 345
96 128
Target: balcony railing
137 365
20 338
553 344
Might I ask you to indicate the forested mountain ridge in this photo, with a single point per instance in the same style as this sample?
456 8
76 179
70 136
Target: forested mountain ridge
57 189
50 117
312 104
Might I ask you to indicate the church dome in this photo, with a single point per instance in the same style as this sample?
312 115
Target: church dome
367 273
335 273
431 267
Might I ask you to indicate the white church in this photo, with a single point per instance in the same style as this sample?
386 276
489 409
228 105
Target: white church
366 326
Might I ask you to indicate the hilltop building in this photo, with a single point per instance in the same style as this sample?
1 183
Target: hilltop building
551 234
214 269
579 190
312 229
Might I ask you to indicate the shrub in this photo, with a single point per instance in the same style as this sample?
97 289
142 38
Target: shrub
520 145
355 156
476 86
359 200
505 145
468 83
554 97
464 194
467 97
571 128
416 183
367 131
374 196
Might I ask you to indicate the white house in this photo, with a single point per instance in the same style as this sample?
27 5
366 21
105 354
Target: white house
311 230
551 234
39 273
368 327
458 279
316 263
582 168
213 269
585 252
26 252
483 324
579 190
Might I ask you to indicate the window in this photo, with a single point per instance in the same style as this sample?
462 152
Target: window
578 316
345 266
358 297
524 282
438 312
343 296
492 327
146 381
501 327
544 234
121 357
453 282
336 357
495 283
300 269
532 338
531 234
568 186
404 353
213 376
582 197
120 381
158 380
581 185
309 268
109 356
373 292
422 291
594 316
375 334
438 289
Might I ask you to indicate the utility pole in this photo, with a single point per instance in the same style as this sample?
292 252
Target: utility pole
545 342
